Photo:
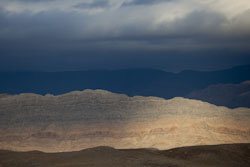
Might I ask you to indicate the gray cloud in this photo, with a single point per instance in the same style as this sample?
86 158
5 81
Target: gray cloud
201 28
42 30
144 2
94 4
31 1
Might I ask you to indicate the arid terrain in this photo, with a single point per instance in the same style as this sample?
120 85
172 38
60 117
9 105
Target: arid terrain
235 155
91 118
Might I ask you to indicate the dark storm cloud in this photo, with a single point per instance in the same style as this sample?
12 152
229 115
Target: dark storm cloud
198 29
103 33
32 1
94 4
120 25
38 27
144 2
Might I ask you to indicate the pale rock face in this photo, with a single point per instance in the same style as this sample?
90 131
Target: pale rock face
89 118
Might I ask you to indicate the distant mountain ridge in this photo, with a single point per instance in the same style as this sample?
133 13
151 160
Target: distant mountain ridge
90 118
143 82
230 95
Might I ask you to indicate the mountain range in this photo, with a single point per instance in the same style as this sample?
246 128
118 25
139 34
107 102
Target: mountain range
132 82
90 118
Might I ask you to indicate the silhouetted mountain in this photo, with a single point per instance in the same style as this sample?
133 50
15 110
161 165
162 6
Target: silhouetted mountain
230 95
145 82
234 155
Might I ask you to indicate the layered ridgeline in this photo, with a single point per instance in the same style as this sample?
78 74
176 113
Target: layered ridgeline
90 118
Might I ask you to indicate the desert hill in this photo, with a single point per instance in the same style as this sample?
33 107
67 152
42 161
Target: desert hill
235 155
90 118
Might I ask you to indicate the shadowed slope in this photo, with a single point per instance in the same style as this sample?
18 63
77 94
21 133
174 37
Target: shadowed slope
234 155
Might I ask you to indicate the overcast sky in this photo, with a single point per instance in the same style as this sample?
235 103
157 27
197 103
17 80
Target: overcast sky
59 35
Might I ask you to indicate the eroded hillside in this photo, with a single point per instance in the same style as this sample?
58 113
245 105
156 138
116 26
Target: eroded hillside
90 118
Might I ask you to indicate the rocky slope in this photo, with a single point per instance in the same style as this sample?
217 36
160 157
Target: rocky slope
230 95
90 118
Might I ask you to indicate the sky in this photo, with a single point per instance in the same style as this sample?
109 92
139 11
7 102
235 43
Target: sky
174 35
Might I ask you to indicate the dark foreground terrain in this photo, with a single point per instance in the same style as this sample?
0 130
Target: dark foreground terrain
234 155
